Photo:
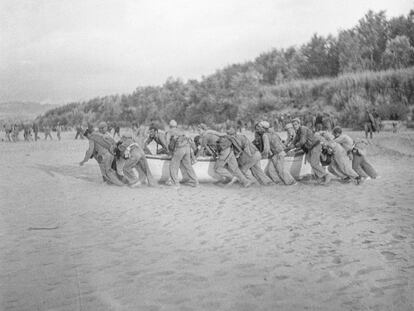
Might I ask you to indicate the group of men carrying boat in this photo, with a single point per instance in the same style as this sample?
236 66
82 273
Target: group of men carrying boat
237 159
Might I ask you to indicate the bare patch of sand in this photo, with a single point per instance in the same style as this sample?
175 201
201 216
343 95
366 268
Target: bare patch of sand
68 242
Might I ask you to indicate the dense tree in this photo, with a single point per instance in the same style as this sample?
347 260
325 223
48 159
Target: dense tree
273 82
321 58
402 26
373 32
398 53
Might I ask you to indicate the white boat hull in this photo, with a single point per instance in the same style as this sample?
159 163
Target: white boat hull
204 168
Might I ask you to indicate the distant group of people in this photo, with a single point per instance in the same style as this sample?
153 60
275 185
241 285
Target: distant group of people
316 122
30 131
237 157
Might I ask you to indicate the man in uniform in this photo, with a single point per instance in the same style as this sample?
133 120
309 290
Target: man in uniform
274 149
79 132
305 140
180 149
308 120
340 164
8 127
132 156
248 157
344 140
360 163
36 131
226 164
58 130
99 148
27 130
290 135
319 122
208 141
47 130
369 125
160 140
327 122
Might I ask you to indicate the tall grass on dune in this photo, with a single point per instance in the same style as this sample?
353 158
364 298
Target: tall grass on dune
390 92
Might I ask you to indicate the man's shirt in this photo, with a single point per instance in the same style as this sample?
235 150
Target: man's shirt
345 141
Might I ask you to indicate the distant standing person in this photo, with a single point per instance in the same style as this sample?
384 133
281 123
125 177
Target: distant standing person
79 132
308 120
318 122
16 131
327 122
36 131
8 128
377 120
27 132
239 125
369 124
47 130
58 130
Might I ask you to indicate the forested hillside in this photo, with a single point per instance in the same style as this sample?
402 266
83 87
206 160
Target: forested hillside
368 65
22 110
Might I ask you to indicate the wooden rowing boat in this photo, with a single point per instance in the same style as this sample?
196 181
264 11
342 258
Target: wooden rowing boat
204 167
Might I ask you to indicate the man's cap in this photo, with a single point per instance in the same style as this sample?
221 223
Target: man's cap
264 124
288 126
337 129
102 125
127 133
87 132
153 128
231 131
173 123
296 120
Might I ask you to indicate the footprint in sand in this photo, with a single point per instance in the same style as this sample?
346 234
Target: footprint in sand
133 273
281 277
388 255
368 270
211 305
398 236
256 290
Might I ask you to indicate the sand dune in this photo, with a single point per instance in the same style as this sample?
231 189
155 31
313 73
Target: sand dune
68 242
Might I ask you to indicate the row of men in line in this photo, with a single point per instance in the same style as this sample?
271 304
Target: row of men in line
237 158
335 151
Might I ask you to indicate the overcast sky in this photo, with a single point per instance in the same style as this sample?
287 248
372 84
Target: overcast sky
56 51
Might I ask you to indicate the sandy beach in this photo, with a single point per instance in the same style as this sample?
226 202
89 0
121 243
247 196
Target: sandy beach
69 242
